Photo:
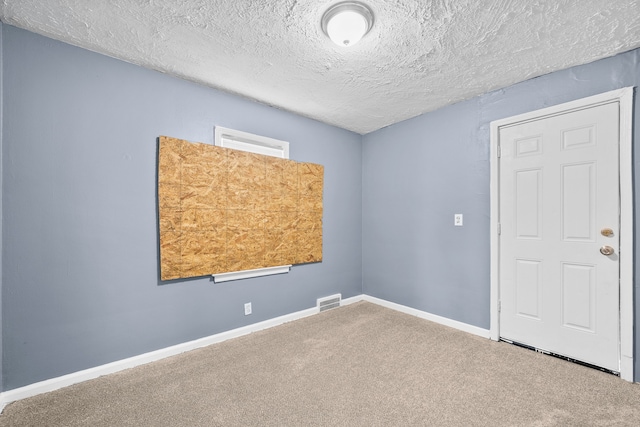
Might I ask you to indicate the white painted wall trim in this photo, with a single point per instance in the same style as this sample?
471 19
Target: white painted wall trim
245 141
1 187
247 274
625 98
626 238
465 327
110 368
352 300
131 362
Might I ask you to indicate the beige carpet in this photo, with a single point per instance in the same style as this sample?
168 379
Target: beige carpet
360 365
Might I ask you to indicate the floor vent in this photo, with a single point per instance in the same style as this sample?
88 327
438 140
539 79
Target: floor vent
327 303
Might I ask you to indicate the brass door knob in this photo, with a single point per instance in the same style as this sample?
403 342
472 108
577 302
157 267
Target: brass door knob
606 250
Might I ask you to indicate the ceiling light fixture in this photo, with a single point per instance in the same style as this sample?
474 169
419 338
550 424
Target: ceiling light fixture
347 22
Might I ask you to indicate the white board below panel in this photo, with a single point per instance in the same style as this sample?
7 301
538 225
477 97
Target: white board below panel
247 274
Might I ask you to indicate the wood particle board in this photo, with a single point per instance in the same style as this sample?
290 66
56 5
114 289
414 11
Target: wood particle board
223 210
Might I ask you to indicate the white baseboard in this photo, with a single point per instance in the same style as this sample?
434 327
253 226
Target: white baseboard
142 359
352 300
465 327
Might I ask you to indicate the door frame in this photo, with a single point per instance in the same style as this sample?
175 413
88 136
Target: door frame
624 97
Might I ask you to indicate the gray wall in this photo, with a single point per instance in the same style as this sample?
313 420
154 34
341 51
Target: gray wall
79 254
417 174
80 281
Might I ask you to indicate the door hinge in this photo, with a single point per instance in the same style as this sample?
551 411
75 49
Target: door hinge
499 151
499 306
499 229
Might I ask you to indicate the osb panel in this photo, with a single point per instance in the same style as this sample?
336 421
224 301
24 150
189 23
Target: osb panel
223 210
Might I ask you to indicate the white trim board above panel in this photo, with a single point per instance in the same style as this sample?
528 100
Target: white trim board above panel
142 359
245 141
624 97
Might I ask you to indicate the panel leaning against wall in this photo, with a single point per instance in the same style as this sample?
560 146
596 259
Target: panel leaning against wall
224 210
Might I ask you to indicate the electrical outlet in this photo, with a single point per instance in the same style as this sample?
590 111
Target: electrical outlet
247 309
457 220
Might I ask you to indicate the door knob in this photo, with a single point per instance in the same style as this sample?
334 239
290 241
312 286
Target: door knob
606 250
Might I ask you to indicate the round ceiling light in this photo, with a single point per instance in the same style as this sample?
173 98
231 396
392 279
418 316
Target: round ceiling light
347 22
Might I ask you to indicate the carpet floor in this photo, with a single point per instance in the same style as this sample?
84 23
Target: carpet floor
358 365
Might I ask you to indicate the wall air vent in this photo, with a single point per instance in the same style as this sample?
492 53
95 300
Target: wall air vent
329 302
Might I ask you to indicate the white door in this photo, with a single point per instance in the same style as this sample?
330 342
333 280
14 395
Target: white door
559 206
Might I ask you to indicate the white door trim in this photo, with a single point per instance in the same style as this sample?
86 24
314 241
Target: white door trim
624 97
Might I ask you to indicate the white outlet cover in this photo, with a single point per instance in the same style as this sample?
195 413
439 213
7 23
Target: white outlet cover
457 220
247 309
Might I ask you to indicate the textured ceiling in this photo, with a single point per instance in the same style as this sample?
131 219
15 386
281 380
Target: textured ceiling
419 56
